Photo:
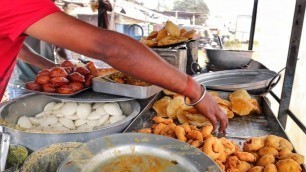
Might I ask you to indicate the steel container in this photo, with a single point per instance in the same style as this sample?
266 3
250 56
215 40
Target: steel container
32 104
175 56
229 59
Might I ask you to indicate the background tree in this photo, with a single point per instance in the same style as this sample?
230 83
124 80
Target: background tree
198 6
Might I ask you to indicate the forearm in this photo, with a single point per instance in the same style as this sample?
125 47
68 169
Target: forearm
118 50
28 55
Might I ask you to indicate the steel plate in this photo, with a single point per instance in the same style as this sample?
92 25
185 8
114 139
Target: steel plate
90 96
231 80
137 152
57 94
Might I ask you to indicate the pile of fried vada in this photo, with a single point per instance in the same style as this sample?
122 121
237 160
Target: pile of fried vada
259 154
170 34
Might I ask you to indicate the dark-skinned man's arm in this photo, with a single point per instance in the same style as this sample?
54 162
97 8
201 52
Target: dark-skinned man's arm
124 54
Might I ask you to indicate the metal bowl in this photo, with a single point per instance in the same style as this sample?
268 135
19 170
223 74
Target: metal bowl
31 104
137 152
229 59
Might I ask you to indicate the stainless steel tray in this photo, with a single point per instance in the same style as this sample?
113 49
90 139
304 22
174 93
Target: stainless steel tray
231 80
101 85
57 94
239 129
90 96
137 152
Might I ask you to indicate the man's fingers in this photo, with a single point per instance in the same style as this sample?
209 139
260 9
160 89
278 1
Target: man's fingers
223 121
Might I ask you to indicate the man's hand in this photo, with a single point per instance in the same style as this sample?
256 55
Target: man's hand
209 107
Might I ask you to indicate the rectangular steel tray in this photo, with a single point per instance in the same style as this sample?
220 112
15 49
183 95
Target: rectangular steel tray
239 129
101 85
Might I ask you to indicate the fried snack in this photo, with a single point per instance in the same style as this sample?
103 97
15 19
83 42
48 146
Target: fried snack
232 170
180 133
169 93
152 35
33 86
255 154
278 143
222 157
256 107
186 127
284 143
284 151
149 43
190 34
206 130
76 77
232 162
265 160
168 40
88 80
145 130
172 29
270 168
67 63
49 88
193 127
241 106
158 128
82 70
229 146
161 34
58 72
241 93
243 166
44 71
254 144
180 114
288 165
92 68
42 79
65 89
196 143
76 86
245 156
229 113
167 131
267 150
198 120
212 147
69 70
160 106
59 81
294 156
195 135
182 31
256 169
173 106
158 119
223 102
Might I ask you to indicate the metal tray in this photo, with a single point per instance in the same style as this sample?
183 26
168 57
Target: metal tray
90 96
57 94
231 80
101 85
239 129
137 152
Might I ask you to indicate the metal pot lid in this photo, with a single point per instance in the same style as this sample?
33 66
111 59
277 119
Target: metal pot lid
231 80
137 152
